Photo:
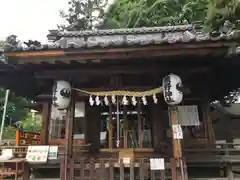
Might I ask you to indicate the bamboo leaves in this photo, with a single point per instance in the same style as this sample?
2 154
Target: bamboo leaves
140 13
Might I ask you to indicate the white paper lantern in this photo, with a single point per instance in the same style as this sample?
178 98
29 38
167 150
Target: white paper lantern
61 94
172 89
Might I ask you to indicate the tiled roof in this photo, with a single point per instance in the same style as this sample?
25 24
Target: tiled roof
129 37
124 31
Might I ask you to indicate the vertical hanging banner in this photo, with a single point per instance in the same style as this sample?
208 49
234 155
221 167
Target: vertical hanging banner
177 131
188 115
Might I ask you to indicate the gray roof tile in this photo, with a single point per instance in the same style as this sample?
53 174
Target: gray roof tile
129 37
123 31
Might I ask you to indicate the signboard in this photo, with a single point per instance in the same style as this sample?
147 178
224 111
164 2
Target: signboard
37 154
6 154
188 115
157 164
177 131
53 153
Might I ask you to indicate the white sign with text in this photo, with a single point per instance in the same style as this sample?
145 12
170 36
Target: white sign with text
37 154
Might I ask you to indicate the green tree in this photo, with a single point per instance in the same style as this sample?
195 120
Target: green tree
9 132
28 124
134 13
16 107
17 110
218 11
141 13
83 14
31 124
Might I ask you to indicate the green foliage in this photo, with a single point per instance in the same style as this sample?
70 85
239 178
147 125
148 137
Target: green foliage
142 13
9 132
31 124
83 14
16 111
147 13
28 124
218 11
16 107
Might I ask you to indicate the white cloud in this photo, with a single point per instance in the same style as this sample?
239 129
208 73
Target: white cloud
30 19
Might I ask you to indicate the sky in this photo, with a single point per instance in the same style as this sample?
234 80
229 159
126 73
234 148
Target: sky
30 19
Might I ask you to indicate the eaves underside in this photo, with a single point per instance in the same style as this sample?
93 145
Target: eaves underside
168 50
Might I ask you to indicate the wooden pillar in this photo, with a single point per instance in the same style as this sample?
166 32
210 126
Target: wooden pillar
69 125
64 161
177 149
208 127
110 127
180 168
139 123
93 128
46 112
158 119
125 127
230 172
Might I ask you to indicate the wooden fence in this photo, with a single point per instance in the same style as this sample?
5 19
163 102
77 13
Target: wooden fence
111 169
225 153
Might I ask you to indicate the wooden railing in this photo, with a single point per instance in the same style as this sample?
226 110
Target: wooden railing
112 169
229 152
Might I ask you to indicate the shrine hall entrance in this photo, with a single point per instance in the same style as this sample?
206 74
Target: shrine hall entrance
125 126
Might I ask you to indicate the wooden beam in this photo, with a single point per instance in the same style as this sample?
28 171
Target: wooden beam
70 51
103 71
69 130
123 55
110 127
43 53
96 71
126 53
